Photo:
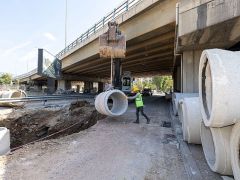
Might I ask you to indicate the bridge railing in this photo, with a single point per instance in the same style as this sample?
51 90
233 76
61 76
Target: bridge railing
26 75
124 7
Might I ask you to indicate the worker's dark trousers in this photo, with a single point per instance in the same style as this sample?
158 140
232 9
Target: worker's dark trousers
142 113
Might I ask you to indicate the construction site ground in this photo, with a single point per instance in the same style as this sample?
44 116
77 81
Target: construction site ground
114 149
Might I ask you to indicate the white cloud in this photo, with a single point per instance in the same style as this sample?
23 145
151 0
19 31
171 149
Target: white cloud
49 36
15 48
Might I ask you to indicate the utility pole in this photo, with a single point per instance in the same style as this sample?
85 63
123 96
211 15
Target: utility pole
66 13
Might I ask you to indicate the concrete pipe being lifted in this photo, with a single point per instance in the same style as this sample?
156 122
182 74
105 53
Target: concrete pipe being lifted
191 117
4 141
216 148
177 96
235 150
219 85
119 103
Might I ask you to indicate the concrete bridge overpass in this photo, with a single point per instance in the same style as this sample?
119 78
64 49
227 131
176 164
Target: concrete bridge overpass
161 39
149 27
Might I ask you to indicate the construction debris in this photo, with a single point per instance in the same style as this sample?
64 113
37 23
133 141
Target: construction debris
29 125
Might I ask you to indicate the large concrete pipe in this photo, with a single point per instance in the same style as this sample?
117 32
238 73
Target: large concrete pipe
219 85
119 103
4 141
216 148
177 96
191 119
13 94
235 150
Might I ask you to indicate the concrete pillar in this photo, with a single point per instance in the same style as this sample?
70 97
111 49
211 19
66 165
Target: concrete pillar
100 87
190 68
177 79
88 86
61 84
51 88
64 84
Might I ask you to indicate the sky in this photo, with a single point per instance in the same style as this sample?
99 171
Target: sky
26 25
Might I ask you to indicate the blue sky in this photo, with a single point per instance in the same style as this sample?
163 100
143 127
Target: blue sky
26 25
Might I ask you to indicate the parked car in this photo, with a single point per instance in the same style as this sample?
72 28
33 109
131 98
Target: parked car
147 92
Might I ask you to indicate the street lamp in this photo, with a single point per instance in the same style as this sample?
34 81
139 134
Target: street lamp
66 13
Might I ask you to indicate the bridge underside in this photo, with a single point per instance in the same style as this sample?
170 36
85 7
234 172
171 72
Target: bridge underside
149 54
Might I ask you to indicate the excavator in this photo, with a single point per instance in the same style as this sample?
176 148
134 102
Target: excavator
112 45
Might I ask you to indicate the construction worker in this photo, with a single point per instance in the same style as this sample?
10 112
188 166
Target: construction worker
139 105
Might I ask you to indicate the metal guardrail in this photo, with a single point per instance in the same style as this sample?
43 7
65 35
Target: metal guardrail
45 98
124 7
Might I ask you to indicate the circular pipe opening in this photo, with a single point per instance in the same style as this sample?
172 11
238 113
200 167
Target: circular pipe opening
206 88
111 103
118 103
208 145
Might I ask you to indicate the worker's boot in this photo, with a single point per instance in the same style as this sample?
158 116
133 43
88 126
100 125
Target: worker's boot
137 121
148 121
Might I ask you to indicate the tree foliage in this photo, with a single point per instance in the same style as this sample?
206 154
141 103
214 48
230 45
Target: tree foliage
163 83
160 83
5 78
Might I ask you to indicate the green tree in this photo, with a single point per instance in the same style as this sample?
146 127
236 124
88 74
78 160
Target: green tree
163 83
5 78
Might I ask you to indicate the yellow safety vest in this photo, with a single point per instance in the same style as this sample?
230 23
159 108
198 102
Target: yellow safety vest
139 101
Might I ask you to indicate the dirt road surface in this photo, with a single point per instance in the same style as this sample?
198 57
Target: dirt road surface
113 149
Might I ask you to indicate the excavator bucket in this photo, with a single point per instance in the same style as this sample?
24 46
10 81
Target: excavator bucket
112 44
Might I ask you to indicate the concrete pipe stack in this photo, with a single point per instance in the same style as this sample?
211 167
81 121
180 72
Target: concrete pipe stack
189 112
119 103
219 86
176 97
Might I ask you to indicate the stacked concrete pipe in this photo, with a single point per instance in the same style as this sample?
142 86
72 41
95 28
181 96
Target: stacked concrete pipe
219 85
216 148
119 106
178 96
190 114
4 141
235 150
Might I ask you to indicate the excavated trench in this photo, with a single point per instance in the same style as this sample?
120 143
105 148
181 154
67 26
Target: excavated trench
29 125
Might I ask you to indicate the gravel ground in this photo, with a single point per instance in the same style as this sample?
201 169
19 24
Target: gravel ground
114 149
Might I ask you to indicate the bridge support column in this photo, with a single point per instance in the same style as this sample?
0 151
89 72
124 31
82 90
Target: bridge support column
100 87
64 84
88 86
190 69
51 85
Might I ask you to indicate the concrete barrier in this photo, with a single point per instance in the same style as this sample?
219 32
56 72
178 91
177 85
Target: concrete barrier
4 141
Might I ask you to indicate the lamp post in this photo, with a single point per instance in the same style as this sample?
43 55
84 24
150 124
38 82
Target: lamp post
66 13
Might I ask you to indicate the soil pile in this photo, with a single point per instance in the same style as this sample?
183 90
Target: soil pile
28 125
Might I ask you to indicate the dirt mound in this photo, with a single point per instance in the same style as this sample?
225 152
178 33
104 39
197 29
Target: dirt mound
28 125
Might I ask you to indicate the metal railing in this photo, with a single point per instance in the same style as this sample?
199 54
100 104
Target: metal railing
124 7
26 75
45 98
